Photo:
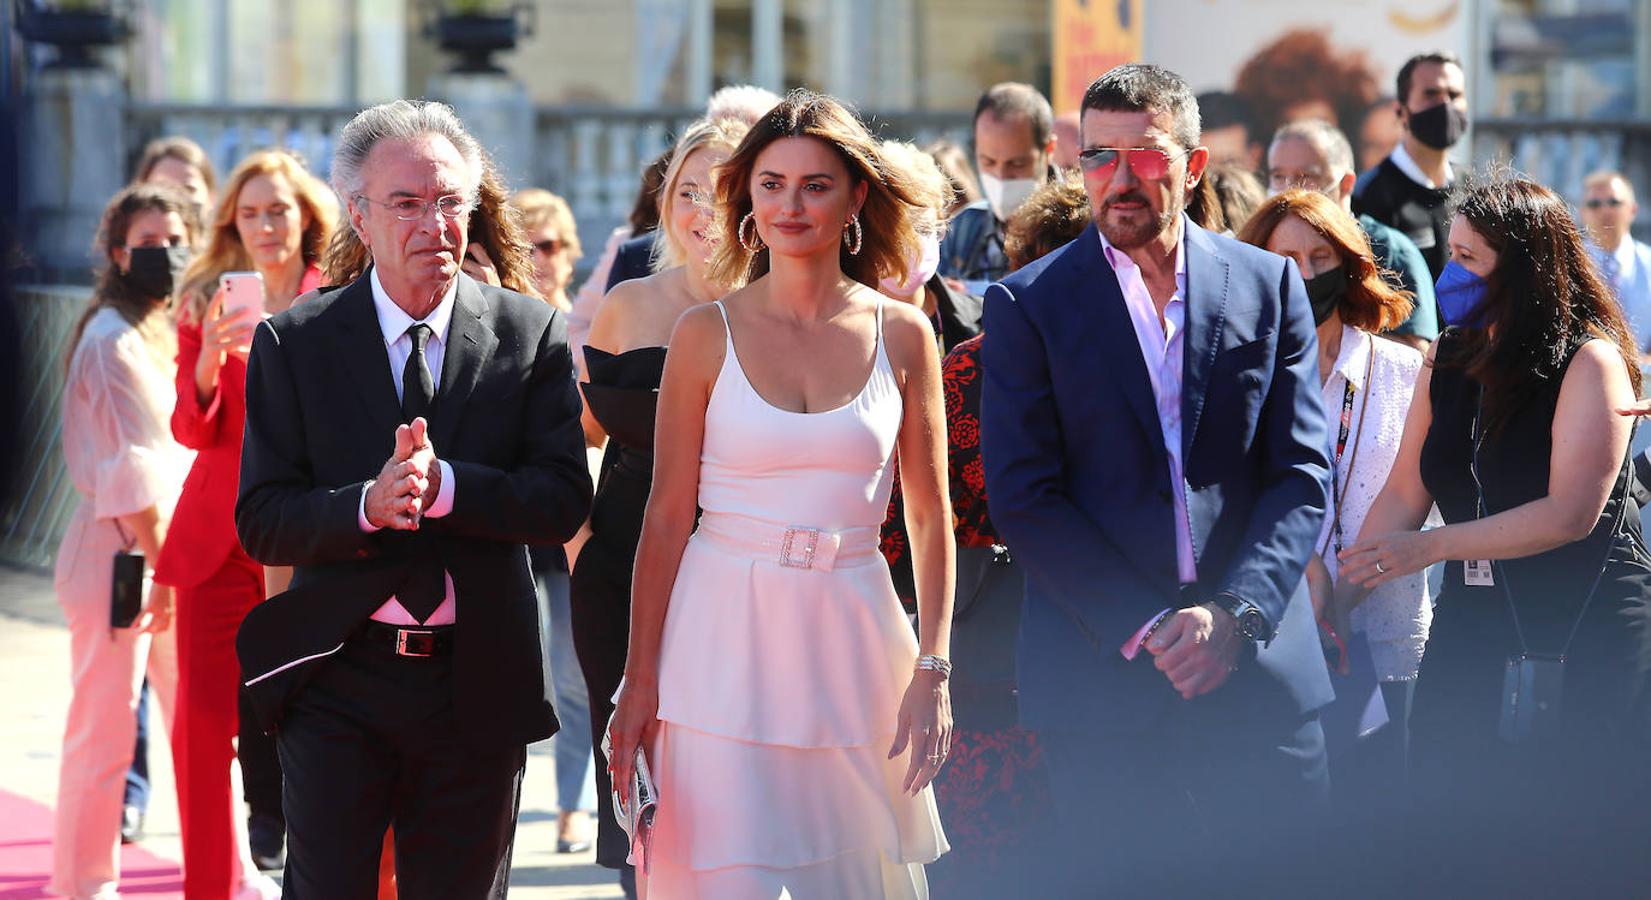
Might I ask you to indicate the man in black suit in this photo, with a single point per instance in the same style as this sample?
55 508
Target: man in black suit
406 436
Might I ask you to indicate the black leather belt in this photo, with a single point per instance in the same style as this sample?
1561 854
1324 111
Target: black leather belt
416 642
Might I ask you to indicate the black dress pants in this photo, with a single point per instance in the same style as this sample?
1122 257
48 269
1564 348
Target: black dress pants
372 741
1186 809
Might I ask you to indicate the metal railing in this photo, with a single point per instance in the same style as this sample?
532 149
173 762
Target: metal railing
33 518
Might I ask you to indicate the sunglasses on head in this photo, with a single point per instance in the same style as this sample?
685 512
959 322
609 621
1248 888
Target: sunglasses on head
1598 203
1148 163
549 246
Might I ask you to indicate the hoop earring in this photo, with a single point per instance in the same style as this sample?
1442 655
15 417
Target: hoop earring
755 244
859 235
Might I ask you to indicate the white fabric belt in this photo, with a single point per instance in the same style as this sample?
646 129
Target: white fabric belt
791 546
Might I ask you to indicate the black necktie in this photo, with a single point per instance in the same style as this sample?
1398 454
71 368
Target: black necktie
426 584
418 389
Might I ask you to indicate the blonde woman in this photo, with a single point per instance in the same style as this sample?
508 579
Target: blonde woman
127 471
547 223
274 219
624 359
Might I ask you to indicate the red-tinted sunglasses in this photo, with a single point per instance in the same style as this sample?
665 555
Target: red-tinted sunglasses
1148 163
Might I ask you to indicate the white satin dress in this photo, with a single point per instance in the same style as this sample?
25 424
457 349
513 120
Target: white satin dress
784 660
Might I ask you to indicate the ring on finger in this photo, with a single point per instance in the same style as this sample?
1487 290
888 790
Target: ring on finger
1379 569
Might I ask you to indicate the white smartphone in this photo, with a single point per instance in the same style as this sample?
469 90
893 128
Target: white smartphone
243 295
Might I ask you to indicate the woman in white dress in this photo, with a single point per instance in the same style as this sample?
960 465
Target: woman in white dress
792 722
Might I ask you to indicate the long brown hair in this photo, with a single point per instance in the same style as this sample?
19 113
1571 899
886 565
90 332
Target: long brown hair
494 224
146 314
224 251
1543 298
1371 303
887 219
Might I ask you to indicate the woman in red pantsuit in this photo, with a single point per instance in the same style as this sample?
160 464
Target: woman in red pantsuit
274 219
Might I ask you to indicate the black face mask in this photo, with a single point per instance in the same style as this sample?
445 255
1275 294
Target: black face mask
1325 292
1439 127
154 271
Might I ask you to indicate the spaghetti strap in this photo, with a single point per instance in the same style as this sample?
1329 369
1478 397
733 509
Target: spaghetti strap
727 329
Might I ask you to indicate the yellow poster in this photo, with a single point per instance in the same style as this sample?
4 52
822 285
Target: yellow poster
1091 36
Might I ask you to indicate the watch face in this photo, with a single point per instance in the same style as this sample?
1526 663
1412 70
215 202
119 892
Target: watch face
1251 625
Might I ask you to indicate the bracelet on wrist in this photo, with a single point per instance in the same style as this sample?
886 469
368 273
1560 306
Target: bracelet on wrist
935 664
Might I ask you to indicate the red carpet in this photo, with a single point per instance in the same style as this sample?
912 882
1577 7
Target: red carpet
26 857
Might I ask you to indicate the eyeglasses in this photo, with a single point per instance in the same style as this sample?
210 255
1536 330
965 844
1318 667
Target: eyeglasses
548 246
1148 163
411 209
1598 203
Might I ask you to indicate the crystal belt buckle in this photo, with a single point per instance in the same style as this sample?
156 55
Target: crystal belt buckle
788 543
415 643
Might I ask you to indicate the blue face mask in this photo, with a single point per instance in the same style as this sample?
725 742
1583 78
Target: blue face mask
1461 296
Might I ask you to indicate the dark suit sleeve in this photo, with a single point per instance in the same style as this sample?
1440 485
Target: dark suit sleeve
281 516
546 495
1022 448
1294 466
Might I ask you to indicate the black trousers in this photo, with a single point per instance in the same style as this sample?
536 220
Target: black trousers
1191 807
372 742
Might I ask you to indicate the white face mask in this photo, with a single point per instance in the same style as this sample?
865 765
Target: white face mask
1006 196
918 271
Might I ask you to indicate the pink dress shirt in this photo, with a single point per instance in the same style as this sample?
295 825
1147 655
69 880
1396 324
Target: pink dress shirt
394 322
1163 349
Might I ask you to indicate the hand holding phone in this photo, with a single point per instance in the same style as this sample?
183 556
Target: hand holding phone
243 295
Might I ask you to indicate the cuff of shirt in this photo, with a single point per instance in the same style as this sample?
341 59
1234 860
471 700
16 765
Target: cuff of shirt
361 511
444 496
1132 647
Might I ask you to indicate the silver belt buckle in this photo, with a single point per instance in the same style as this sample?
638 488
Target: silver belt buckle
423 643
788 543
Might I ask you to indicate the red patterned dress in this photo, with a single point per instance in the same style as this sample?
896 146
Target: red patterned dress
992 789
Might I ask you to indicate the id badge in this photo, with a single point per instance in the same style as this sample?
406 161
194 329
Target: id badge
1477 573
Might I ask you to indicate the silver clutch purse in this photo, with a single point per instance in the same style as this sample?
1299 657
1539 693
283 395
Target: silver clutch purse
636 817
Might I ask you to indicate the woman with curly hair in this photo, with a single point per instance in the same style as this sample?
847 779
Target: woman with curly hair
1303 76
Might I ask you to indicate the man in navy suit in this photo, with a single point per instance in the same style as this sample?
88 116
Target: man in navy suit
1154 449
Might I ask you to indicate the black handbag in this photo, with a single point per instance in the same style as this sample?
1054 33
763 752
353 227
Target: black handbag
985 630
1533 682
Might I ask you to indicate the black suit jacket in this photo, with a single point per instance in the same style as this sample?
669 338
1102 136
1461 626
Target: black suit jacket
321 419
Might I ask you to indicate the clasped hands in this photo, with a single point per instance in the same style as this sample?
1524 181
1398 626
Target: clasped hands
1196 648
409 482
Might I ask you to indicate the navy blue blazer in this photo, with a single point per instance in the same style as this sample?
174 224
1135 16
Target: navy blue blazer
1079 485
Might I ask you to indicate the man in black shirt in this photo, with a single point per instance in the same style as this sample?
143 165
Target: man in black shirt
1408 190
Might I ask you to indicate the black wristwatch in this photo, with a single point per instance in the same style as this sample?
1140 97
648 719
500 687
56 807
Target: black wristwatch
1252 625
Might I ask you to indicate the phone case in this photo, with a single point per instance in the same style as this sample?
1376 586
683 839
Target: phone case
126 593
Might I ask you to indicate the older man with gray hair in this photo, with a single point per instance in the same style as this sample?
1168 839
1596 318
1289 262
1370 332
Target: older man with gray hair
406 435
1313 154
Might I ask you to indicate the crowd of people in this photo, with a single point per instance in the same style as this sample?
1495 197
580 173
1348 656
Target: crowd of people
718 519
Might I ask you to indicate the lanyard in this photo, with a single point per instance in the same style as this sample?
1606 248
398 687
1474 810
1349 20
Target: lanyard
1478 439
1338 491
